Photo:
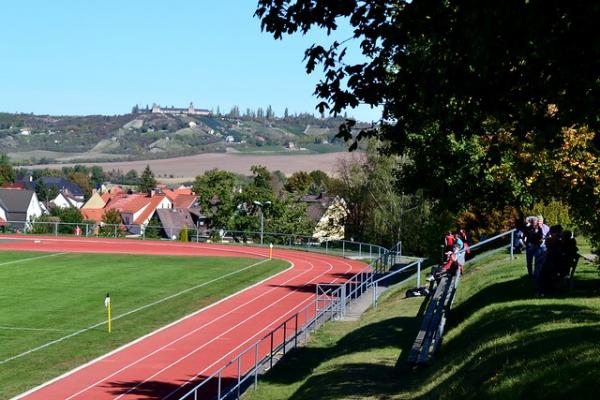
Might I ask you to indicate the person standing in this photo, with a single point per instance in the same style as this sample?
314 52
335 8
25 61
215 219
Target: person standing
533 240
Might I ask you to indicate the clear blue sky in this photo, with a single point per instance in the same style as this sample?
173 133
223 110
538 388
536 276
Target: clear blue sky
104 56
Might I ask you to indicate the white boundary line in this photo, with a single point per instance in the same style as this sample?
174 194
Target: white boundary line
16 328
128 313
266 328
146 335
31 258
248 318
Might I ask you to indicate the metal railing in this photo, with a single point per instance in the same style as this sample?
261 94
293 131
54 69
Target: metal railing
344 248
434 320
330 302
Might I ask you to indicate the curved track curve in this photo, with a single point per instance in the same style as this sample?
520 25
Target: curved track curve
165 363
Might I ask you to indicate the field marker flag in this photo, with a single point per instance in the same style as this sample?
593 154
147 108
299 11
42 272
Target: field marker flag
107 305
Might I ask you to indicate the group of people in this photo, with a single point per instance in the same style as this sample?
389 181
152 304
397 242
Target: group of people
456 246
551 253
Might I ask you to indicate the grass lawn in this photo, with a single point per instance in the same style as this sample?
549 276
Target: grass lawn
501 342
45 297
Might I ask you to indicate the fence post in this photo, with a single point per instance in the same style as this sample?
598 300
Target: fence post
512 242
239 372
343 248
327 246
115 230
370 251
256 365
87 230
219 386
56 229
360 250
271 349
419 274
374 286
296 333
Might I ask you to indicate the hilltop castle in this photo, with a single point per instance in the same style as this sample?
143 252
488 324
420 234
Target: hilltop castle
157 109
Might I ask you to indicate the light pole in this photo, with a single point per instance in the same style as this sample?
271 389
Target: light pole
260 206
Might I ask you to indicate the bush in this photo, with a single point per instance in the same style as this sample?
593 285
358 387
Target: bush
183 235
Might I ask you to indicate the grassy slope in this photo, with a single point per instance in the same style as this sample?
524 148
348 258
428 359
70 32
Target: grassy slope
501 342
65 293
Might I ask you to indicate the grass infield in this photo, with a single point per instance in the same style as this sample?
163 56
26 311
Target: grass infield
45 297
501 342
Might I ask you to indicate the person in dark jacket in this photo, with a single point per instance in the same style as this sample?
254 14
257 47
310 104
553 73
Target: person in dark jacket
534 238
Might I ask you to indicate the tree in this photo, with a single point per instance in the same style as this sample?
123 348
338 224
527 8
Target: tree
147 181
111 224
215 191
299 182
83 181
286 113
262 177
97 176
45 193
7 173
480 96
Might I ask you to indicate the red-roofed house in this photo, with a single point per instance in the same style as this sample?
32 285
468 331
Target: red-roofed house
185 201
93 214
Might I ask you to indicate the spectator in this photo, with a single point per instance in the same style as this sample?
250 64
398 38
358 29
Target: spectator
545 228
448 241
552 262
452 264
533 241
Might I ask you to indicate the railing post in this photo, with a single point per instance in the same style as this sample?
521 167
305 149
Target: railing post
343 248
512 244
284 336
419 274
219 386
360 250
296 333
239 373
374 286
327 246
56 229
271 367
256 365
115 231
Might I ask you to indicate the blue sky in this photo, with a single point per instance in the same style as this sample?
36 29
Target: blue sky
102 57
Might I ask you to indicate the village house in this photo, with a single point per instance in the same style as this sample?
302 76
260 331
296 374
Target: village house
328 213
18 207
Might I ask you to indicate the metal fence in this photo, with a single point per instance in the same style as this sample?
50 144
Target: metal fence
330 302
344 248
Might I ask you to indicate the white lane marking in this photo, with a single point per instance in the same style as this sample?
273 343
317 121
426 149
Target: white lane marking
43 346
225 332
156 331
266 328
31 258
16 328
190 333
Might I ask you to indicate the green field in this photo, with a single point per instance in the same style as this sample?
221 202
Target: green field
46 297
501 342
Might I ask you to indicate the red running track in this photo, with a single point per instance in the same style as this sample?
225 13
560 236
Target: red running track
170 361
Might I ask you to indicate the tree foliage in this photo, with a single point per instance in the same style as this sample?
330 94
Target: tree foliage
7 173
147 180
215 191
495 103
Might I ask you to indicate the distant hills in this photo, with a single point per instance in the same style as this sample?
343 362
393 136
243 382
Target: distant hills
42 139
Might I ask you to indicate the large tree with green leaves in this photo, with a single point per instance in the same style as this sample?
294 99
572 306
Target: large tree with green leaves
484 97
215 190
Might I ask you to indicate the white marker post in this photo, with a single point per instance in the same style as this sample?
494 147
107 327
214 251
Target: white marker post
270 251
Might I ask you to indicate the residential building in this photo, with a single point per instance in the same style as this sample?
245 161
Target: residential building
19 206
174 220
329 214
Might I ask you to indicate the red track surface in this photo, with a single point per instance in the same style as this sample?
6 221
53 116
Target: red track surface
166 363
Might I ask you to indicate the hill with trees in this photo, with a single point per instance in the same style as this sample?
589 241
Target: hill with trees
41 139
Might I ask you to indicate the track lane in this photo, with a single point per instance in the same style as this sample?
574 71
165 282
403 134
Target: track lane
162 364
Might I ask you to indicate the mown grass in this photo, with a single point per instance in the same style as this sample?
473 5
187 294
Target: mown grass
501 342
43 299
